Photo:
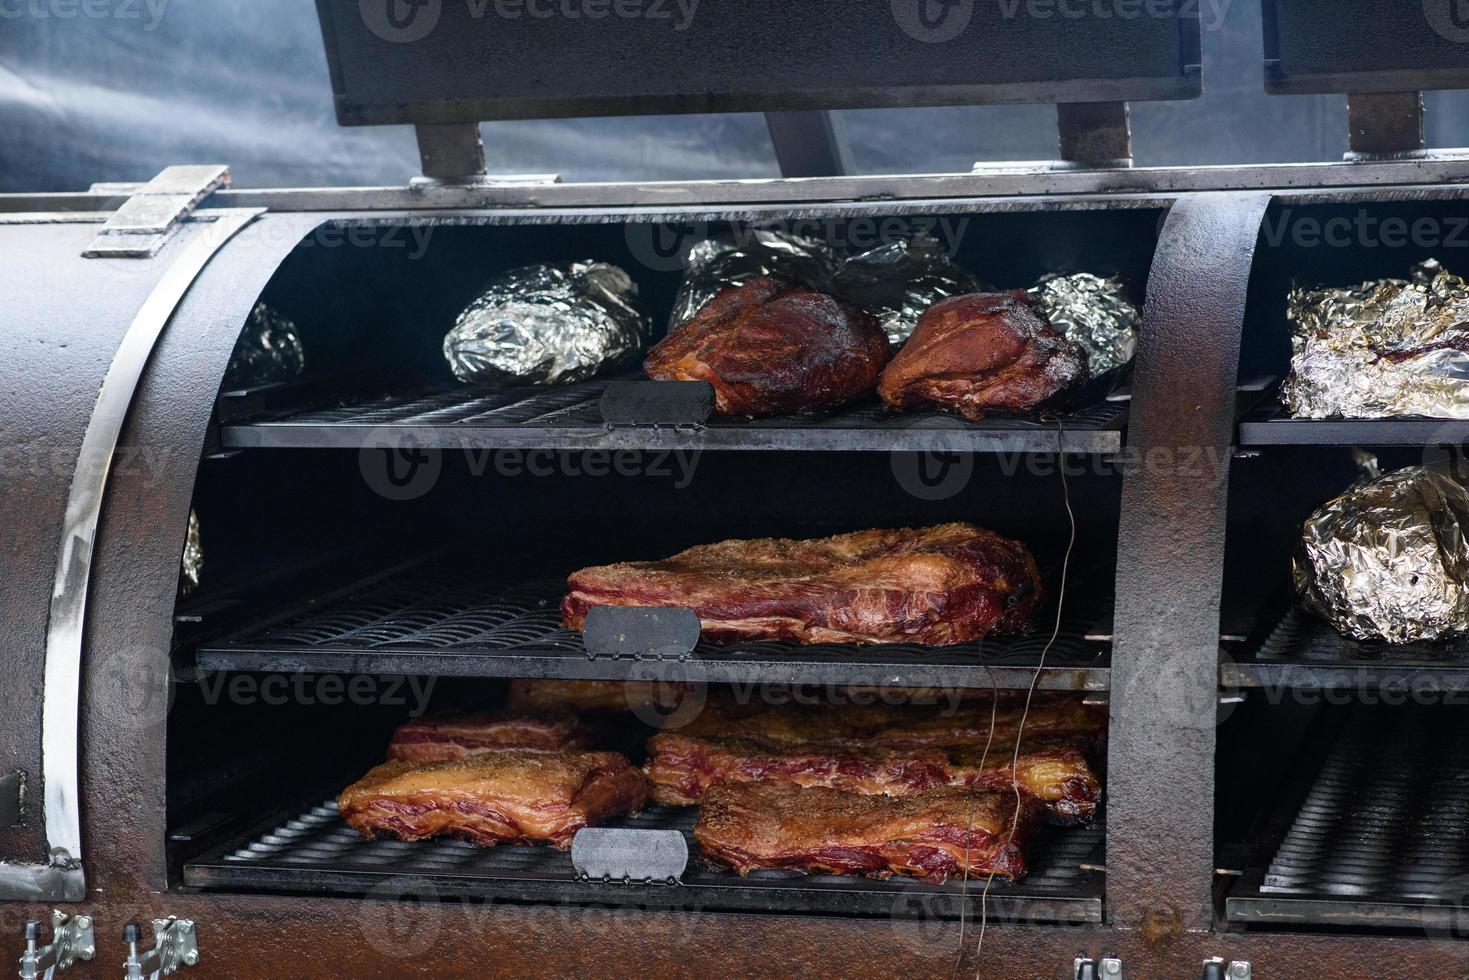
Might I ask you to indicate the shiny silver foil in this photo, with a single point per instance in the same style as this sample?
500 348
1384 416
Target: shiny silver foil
192 565
1092 311
728 260
1388 559
548 325
897 281
1384 348
269 350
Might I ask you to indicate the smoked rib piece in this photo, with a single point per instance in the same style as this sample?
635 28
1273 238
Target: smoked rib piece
952 583
983 353
772 347
499 797
441 737
934 835
1053 773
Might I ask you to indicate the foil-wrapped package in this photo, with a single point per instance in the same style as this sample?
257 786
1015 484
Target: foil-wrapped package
729 260
897 281
1388 559
192 564
1093 311
1384 348
269 350
547 325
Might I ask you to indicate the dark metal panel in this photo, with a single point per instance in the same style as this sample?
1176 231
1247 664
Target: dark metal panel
810 144
62 318
1160 851
1314 46
433 62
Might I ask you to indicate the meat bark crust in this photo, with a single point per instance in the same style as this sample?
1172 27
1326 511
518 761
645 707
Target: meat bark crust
953 583
772 347
443 737
515 795
934 835
982 353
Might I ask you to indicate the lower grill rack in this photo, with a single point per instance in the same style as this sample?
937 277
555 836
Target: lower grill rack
1381 839
316 853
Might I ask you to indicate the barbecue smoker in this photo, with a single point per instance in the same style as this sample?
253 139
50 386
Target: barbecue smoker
376 536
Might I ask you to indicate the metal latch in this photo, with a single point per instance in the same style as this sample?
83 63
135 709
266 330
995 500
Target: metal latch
175 945
139 228
1086 968
1215 968
71 940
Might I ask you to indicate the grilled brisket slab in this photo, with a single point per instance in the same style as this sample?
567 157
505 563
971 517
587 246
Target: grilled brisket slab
442 737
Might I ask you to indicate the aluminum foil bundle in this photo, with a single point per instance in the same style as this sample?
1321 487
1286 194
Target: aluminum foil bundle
192 565
896 282
1388 559
1384 348
728 260
269 350
547 325
1095 312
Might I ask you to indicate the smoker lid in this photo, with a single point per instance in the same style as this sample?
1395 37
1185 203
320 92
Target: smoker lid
445 61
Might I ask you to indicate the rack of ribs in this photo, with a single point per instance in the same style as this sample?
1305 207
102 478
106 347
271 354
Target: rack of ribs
772 347
934 835
952 583
499 797
443 737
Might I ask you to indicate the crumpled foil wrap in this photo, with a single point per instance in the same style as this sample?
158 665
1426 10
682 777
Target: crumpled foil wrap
192 565
1388 559
897 281
717 263
1384 348
1093 311
269 350
547 325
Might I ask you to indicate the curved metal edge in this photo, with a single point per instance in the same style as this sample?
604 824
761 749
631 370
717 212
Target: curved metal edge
62 879
1170 557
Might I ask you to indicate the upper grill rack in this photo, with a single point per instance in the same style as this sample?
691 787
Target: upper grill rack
315 853
1270 425
1380 839
461 417
443 617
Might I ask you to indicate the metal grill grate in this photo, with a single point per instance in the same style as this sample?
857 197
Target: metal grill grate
1270 425
445 617
315 852
1382 836
570 417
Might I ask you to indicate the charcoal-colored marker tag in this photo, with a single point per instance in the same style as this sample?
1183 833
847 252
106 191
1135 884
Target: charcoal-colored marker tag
636 855
640 631
664 403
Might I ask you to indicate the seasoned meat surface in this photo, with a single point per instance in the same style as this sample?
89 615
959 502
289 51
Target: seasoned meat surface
771 347
441 737
940 585
983 353
513 795
934 835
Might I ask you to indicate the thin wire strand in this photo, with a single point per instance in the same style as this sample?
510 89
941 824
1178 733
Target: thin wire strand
969 831
1034 680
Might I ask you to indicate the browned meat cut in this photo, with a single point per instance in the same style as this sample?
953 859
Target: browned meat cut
514 795
982 353
1053 773
458 736
771 347
935 835
948 584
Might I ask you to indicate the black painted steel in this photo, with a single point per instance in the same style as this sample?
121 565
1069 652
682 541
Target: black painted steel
454 62
1364 46
571 417
1379 839
456 619
315 853
1269 425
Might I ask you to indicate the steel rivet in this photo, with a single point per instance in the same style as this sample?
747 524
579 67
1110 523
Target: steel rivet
1112 967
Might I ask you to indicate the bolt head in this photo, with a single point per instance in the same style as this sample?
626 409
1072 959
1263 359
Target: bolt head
191 957
1112 968
87 952
84 922
187 925
1239 971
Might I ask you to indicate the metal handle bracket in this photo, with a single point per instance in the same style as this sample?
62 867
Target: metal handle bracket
148 218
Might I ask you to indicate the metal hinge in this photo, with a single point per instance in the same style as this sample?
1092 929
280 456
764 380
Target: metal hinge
175 945
1106 968
139 228
71 940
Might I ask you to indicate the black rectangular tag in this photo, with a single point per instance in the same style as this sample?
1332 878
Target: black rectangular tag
640 631
670 403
